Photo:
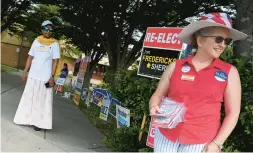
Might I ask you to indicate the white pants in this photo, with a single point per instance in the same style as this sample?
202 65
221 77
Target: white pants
162 144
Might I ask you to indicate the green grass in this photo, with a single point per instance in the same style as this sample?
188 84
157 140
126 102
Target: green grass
93 115
5 68
65 88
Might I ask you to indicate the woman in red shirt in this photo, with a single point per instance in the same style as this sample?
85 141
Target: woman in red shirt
201 81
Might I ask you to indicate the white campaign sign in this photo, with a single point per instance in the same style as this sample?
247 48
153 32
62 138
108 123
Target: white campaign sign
60 81
122 116
105 108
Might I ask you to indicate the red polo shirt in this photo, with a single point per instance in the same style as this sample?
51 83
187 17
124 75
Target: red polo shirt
202 93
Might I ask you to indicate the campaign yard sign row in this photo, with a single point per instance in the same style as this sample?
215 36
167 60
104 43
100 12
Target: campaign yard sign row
160 48
104 99
79 85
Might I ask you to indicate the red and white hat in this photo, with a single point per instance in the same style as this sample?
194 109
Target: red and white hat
210 20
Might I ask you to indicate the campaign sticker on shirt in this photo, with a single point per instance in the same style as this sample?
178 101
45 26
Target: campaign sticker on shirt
187 77
186 68
41 48
221 76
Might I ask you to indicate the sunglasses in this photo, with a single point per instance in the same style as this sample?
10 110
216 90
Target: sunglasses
47 29
219 39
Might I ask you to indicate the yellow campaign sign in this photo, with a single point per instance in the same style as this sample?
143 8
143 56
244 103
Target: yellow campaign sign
100 100
158 59
102 115
154 61
76 98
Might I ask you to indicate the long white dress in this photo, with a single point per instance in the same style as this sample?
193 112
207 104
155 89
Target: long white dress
35 106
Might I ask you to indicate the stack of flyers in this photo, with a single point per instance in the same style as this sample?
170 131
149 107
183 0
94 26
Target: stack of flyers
171 114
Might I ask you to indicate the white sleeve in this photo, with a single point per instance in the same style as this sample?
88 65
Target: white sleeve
31 51
56 51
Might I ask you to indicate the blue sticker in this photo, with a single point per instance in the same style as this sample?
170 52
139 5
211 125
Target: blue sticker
186 68
221 76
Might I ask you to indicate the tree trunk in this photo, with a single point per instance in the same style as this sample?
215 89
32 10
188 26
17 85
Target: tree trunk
113 65
3 28
244 23
88 75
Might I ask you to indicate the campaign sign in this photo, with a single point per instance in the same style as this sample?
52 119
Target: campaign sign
84 94
122 116
79 85
77 96
80 78
60 81
161 47
105 107
154 61
97 95
151 135
163 38
112 109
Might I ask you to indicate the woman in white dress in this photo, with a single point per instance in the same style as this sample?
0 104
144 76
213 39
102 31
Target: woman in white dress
35 107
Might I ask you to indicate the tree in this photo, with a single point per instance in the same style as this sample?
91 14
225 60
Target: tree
31 21
68 49
12 10
84 39
82 34
120 25
244 22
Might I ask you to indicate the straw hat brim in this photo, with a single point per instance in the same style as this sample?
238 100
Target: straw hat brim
187 32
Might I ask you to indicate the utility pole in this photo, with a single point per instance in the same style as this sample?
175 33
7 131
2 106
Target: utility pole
19 51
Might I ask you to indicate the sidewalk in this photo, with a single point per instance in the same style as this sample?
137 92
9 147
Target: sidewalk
15 139
72 131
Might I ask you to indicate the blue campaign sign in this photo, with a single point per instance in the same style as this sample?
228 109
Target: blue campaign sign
105 108
112 110
122 121
115 101
122 116
84 94
102 91
98 98
79 85
98 95
110 97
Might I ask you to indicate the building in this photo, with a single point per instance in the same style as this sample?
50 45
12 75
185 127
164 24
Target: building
14 50
14 53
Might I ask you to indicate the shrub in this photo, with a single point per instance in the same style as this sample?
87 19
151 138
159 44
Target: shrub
241 139
134 92
123 139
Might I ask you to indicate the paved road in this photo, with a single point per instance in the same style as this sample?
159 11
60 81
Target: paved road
72 131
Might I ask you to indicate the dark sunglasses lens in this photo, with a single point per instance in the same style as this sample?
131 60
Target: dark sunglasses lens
228 41
219 39
47 29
